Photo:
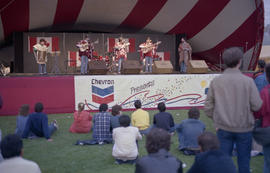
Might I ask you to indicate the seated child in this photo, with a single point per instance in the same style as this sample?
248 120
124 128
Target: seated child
82 121
22 119
188 132
125 149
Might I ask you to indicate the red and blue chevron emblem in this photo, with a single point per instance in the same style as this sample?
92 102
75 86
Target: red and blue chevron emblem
102 95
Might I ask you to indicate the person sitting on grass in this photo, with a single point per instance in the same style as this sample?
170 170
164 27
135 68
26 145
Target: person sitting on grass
116 113
163 120
158 160
37 124
211 160
12 151
125 149
188 132
140 118
82 121
102 123
22 119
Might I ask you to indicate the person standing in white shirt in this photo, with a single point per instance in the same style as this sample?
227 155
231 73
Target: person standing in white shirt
125 149
11 149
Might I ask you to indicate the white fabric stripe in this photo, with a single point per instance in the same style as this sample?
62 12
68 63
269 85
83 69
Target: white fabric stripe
2 37
170 15
41 13
108 12
228 20
247 58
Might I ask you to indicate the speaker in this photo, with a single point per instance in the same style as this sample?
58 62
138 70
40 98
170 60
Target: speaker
131 67
197 66
162 67
97 67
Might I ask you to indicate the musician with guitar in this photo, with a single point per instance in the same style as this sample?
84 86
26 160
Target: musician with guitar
121 49
85 52
148 50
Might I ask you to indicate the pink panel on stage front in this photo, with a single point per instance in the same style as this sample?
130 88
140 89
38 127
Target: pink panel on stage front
55 92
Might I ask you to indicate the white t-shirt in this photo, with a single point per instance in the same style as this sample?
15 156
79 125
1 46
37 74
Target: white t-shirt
18 164
125 147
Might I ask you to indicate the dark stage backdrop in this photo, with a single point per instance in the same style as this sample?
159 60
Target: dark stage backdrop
66 43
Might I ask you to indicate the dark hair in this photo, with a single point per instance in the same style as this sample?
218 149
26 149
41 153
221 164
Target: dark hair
162 107
103 107
42 40
38 107
137 104
24 110
157 139
124 120
267 72
208 141
261 63
80 107
11 146
194 113
116 110
232 56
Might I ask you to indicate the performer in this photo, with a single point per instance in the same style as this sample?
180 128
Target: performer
86 49
185 52
40 52
121 49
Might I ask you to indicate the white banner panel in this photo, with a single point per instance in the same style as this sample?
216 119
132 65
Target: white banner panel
177 91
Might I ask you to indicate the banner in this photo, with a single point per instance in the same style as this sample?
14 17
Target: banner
177 91
74 60
53 43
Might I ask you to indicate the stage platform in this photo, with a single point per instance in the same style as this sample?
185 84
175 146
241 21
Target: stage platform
60 93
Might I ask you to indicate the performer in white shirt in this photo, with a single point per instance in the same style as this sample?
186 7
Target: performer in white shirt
121 49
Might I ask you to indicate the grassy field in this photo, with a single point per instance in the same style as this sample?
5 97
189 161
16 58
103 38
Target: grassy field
62 156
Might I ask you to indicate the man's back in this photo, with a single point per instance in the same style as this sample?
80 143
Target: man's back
231 98
101 131
163 120
18 164
140 119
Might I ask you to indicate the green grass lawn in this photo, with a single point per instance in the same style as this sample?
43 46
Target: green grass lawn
62 156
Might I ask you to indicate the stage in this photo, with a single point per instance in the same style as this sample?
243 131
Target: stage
61 93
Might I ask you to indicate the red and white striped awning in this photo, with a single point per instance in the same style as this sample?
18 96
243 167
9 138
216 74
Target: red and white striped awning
210 25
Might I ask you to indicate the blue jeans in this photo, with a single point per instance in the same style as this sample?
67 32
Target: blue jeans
266 153
120 61
243 143
183 67
84 64
148 64
52 128
42 68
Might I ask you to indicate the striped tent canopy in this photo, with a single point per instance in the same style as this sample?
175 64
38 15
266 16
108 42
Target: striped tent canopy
210 25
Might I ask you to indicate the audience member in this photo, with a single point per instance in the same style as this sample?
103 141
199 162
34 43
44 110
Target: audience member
264 114
188 131
261 80
211 160
1 157
37 124
22 119
163 120
82 121
159 160
102 121
1 102
231 99
261 66
12 150
140 118
125 149
116 113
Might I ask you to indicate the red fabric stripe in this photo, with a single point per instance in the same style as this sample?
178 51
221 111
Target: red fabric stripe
111 44
55 43
72 58
132 45
143 12
205 11
101 100
167 56
245 33
55 92
32 41
67 11
15 17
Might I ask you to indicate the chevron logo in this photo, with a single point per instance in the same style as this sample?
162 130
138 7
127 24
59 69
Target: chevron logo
102 95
